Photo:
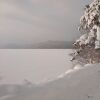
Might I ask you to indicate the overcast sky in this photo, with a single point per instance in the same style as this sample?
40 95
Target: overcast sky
31 21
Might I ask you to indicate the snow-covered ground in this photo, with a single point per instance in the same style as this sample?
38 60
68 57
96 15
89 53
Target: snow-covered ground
69 83
33 65
80 84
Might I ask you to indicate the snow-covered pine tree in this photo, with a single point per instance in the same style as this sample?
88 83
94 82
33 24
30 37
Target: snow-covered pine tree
88 45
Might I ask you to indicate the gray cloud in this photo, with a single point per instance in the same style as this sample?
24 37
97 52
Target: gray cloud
30 21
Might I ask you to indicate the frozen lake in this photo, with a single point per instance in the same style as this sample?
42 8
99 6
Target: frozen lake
35 65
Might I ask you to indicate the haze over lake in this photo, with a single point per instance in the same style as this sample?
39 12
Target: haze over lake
34 65
26 22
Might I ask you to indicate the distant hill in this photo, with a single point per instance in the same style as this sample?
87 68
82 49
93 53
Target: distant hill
54 45
41 45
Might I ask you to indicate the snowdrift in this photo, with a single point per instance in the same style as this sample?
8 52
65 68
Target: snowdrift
81 84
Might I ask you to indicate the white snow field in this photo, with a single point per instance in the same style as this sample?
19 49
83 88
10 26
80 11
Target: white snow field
66 83
80 84
34 65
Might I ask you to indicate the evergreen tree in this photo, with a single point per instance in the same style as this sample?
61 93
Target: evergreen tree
88 45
